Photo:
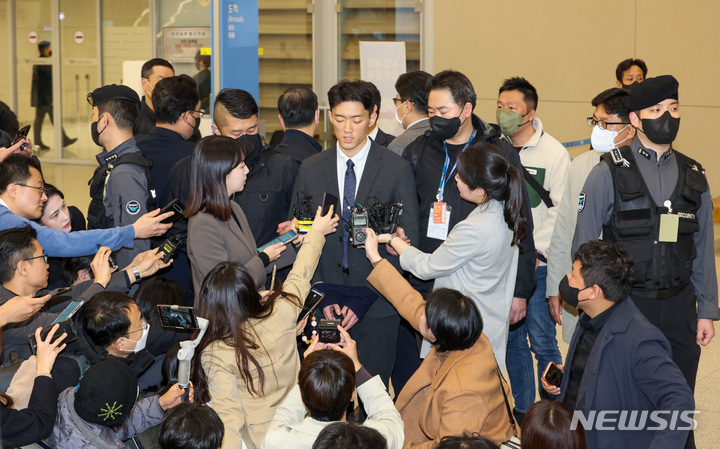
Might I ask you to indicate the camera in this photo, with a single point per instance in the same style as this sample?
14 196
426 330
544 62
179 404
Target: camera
328 331
359 222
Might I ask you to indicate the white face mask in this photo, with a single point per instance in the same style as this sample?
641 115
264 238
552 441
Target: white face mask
141 342
603 140
400 119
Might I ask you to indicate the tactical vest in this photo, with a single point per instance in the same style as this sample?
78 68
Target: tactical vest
635 222
97 215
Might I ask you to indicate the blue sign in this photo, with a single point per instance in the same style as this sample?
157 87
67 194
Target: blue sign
239 64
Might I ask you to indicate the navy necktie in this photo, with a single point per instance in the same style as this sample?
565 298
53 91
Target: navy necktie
348 203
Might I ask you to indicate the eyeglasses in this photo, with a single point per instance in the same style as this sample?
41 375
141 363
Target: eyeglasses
144 326
591 121
200 111
43 255
398 101
42 189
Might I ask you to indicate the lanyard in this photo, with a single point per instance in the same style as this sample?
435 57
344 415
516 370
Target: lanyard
444 179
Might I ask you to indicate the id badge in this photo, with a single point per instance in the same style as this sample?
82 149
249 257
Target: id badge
439 221
669 224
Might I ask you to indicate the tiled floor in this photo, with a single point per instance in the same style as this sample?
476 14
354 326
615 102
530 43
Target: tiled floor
72 181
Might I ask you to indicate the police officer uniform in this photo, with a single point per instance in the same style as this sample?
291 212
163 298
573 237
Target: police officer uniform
659 208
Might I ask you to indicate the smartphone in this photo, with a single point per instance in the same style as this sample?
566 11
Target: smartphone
69 311
328 331
173 206
21 134
285 238
553 375
329 200
111 259
54 293
311 303
180 317
66 326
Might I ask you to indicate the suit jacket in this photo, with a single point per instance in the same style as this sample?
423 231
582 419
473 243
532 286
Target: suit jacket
246 416
400 142
211 241
452 392
630 368
382 138
163 148
386 177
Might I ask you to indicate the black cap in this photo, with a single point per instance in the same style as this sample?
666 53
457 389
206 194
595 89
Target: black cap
107 393
112 92
652 91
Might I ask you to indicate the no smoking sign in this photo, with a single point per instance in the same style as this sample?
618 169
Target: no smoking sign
79 37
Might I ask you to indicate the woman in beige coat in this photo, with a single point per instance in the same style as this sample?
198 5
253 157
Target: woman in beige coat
457 388
247 362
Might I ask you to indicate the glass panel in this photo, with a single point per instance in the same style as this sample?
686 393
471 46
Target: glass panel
184 28
286 55
125 37
380 21
34 74
79 40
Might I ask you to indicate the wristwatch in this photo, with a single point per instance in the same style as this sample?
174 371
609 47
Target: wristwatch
136 273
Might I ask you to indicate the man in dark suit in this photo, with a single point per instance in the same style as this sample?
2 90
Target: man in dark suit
177 116
378 136
619 374
359 170
299 116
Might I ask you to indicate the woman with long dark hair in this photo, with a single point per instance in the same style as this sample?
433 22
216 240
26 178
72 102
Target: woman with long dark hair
480 255
247 361
218 229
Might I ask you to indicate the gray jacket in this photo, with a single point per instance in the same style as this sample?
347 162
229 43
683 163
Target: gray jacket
398 145
73 432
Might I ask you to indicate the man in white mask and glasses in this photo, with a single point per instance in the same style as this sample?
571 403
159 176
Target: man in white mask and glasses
611 128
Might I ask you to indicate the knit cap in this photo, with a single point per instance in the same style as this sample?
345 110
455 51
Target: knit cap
107 393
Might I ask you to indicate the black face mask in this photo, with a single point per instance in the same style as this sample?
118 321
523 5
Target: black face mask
197 124
661 130
94 132
631 86
444 128
570 294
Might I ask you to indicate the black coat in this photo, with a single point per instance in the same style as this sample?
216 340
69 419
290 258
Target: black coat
163 148
34 423
427 157
298 145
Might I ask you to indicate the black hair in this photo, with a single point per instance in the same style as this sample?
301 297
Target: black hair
345 435
147 68
327 381
297 107
213 158
458 84
454 319
377 96
345 91
70 267
626 64
16 244
124 112
105 317
486 166
467 441
155 291
173 96
607 265
42 45
548 424
16 169
528 91
236 102
615 102
413 87
204 58
191 426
